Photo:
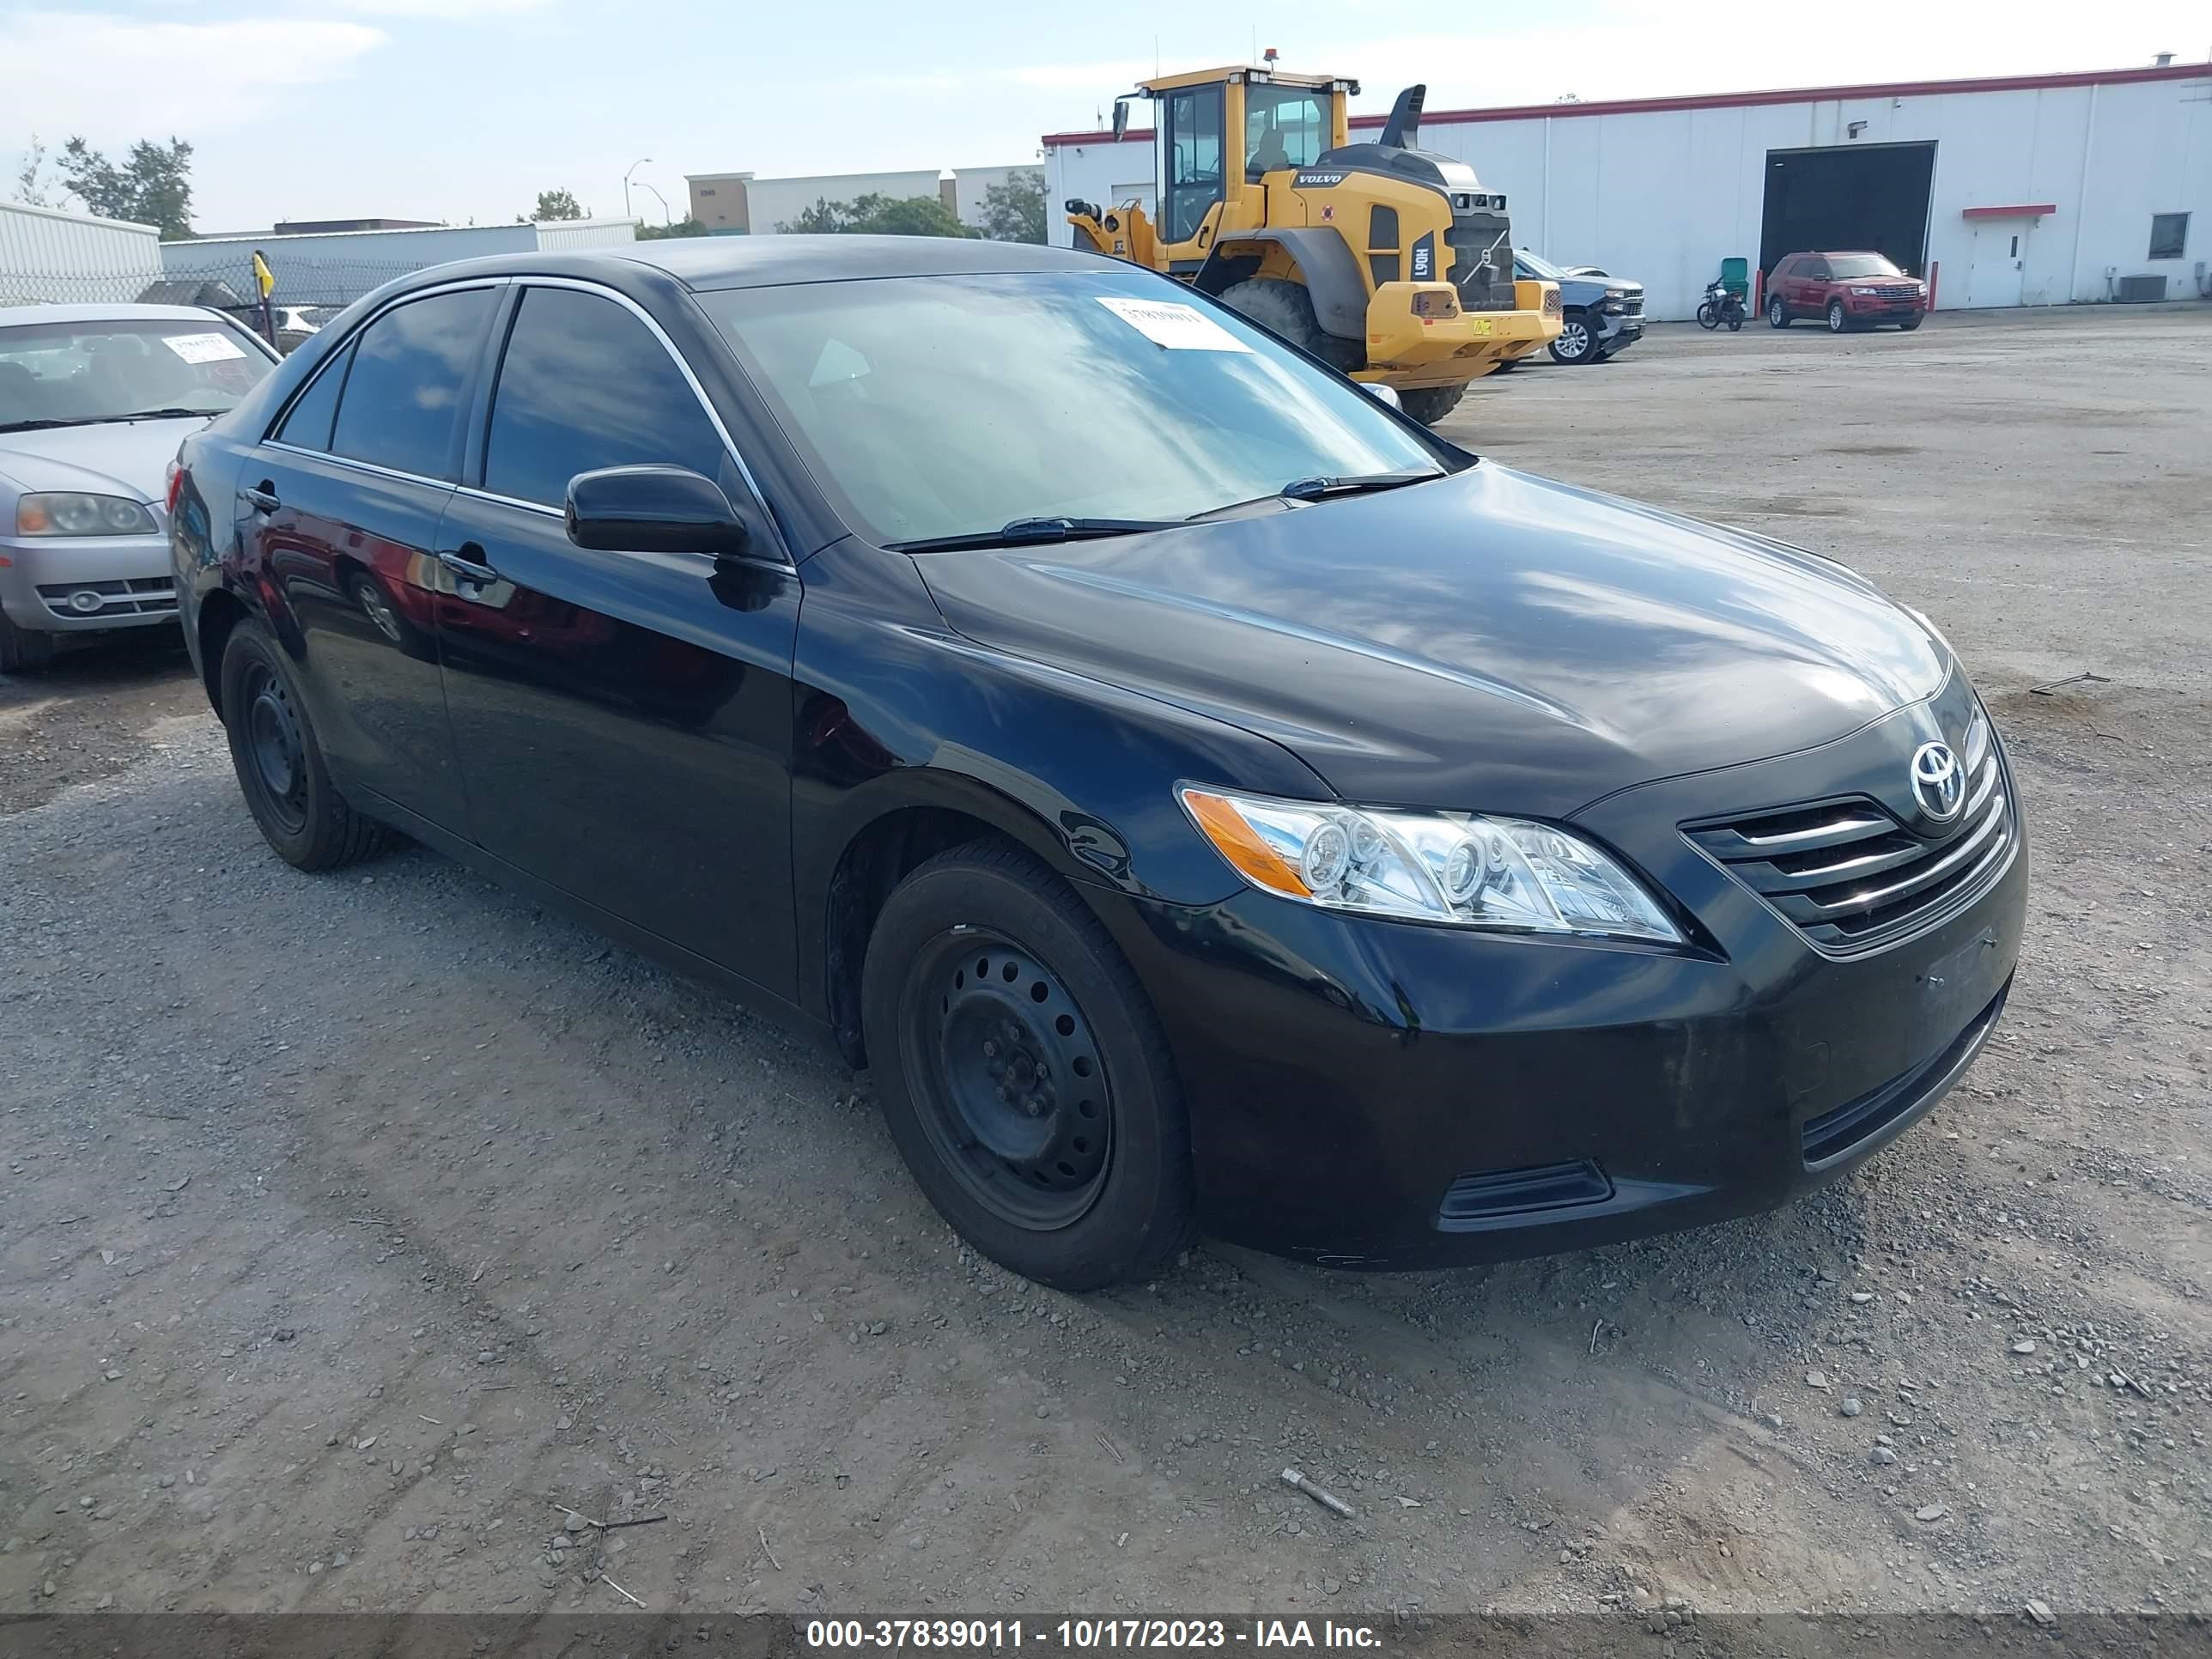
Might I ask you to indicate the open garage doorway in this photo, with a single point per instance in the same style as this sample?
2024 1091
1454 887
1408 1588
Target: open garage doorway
1864 197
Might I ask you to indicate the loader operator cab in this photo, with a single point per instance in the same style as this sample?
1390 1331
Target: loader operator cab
1219 133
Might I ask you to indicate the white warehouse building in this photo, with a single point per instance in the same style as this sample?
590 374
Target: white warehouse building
2029 191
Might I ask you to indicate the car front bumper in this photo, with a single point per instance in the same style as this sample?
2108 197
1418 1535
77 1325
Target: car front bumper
1618 331
1373 1094
1882 311
130 575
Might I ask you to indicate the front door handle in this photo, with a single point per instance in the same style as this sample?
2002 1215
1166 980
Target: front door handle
263 498
466 561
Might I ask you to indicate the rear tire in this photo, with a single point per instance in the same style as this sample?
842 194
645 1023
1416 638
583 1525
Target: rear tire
279 763
1839 320
1022 1072
1286 309
21 650
1430 403
1777 313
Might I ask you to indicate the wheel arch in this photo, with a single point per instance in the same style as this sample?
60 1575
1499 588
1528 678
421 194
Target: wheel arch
1325 267
911 817
221 611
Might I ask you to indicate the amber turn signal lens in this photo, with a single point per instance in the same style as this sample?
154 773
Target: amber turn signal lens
1246 849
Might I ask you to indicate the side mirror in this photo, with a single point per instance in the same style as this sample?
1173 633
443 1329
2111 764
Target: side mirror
653 509
1121 118
1383 394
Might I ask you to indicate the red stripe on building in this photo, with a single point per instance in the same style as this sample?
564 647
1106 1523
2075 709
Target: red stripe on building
1742 99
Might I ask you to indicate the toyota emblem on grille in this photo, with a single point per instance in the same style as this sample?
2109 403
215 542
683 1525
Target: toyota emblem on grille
1939 783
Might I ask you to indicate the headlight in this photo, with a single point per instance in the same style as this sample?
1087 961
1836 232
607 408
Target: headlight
63 512
1868 292
1463 868
1616 294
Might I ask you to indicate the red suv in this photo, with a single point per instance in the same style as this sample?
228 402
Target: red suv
1851 290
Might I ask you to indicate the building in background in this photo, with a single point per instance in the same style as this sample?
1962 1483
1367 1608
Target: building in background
48 256
312 226
2029 190
335 268
744 203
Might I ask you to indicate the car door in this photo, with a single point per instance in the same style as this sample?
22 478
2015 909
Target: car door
339 514
624 720
1813 292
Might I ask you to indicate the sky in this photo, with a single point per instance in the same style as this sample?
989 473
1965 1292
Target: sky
462 110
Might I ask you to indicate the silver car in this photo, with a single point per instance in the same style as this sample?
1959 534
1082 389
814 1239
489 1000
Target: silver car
94 401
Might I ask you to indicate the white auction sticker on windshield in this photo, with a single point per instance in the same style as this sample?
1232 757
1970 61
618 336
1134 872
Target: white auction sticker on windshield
1171 324
203 348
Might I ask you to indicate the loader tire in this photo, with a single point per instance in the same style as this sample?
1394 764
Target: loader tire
1285 310
1430 403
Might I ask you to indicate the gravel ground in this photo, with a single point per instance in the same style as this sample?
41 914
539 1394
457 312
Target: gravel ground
354 1224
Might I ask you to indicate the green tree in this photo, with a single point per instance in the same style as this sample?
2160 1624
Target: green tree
1014 211
33 178
679 227
877 215
558 204
152 186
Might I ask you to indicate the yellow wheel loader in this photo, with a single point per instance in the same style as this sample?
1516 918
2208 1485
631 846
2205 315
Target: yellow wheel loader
1391 262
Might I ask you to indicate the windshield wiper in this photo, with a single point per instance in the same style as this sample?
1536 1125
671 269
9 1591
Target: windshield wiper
1022 532
159 414
1312 489
46 425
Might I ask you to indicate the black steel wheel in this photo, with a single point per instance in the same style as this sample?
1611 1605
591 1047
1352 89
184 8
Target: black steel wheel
277 752
1023 1072
1009 1085
279 763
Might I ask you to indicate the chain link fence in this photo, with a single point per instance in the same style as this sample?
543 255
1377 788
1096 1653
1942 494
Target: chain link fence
309 291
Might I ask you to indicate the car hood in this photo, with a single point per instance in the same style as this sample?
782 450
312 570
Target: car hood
115 457
1490 640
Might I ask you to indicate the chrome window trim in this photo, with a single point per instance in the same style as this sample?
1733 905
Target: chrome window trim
698 392
782 561
278 420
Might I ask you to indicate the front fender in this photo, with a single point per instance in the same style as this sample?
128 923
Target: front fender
894 711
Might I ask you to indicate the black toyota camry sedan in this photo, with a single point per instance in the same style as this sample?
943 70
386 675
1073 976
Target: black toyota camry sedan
1200 797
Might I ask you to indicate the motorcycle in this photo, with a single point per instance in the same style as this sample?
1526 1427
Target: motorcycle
1720 306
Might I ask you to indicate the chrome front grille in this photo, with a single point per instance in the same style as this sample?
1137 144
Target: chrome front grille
140 596
1851 877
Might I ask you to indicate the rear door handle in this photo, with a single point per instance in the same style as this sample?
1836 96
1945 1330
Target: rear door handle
263 499
467 561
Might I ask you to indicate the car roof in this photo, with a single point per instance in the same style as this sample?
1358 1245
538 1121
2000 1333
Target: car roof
11 316
704 263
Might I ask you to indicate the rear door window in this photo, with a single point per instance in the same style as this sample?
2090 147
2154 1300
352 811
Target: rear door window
308 425
585 385
408 391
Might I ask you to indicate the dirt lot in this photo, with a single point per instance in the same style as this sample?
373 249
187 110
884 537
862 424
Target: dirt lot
352 1225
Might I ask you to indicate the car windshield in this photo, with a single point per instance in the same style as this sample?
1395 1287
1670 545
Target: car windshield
1842 267
79 374
1541 268
937 406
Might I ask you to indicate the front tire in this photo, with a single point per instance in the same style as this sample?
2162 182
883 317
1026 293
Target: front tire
1430 403
1911 322
1777 314
1707 317
1578 341
279 761
1286 309
21 650
1839 320
1023 1072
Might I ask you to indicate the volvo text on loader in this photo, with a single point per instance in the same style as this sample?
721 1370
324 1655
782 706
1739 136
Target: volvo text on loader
1391 262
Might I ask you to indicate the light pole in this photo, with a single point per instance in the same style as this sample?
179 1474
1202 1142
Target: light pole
658 197
633 167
